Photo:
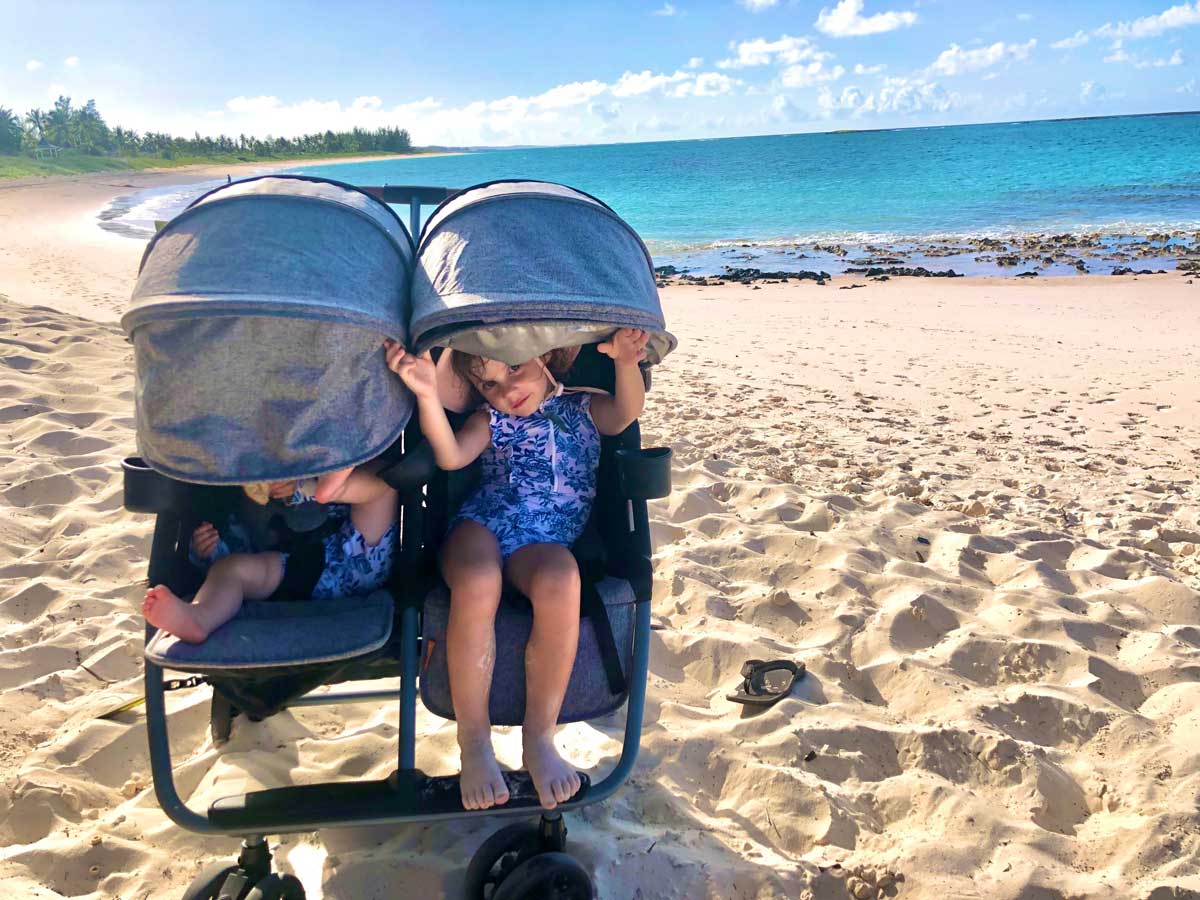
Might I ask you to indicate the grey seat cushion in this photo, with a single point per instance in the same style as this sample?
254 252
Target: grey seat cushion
588 693
280 634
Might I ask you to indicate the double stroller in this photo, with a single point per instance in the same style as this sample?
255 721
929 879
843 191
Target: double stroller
257 324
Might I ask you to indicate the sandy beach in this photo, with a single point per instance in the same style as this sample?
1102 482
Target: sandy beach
969 506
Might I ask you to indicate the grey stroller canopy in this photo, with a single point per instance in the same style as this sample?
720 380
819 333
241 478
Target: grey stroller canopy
259 311
257 323
513 269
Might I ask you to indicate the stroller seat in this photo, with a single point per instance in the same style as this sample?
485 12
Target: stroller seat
281 635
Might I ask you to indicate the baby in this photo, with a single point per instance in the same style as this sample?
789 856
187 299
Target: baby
540 446
358 555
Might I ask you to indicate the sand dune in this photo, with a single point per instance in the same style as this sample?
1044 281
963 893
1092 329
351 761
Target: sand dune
969 508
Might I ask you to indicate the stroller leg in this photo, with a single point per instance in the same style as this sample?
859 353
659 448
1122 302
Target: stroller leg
221 718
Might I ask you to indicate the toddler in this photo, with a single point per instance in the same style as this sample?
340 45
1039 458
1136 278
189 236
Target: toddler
540 446
358 555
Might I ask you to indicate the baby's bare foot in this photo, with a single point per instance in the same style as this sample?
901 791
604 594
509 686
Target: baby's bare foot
481 782
555 780
164 610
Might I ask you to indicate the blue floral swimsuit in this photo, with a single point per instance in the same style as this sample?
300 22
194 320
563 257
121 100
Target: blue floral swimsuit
539 475
351 567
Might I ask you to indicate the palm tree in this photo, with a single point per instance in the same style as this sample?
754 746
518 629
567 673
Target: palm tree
10 132
36 120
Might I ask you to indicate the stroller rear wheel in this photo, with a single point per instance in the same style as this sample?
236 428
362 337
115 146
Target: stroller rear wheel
547 876
499 855
278 887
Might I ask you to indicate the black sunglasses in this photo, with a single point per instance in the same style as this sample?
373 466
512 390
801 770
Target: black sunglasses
764 682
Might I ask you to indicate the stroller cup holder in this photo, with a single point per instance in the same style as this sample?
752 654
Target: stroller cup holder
148 491
645 473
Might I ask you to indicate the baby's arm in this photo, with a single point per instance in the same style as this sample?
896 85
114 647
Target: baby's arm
450 450
356 486
614 414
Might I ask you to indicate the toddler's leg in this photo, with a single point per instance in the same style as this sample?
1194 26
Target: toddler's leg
230 580
471 565
372 502
548 576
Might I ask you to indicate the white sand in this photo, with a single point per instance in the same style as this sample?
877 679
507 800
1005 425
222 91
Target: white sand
968 506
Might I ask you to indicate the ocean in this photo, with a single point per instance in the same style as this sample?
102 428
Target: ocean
1127 187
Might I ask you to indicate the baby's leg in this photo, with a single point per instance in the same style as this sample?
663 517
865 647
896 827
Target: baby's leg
372 501
471 566
230 580
548 576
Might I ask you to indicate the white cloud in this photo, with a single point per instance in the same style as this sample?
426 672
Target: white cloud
668 9
897 95
565 95
957 61
1078 39
33 65
633 84
846 20
761 52
806 74
1024 17
252 104
1090 92
1120 55
860 69
695 62
758 5
1149 26
71 62
1188 87
709 84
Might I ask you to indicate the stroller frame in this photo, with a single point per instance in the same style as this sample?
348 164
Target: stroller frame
407 795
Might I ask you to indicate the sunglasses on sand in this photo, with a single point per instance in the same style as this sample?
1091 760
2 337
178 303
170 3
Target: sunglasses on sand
766 681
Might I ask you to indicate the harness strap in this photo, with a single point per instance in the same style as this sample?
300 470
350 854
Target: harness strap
592 606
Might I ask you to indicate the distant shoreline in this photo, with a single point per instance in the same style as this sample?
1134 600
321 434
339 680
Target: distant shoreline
216 168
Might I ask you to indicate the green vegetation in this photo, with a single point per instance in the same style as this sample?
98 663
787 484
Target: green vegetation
70 140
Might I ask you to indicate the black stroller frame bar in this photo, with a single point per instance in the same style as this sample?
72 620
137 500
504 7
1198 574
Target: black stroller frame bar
408 795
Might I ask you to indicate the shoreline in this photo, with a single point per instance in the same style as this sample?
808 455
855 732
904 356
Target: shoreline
216 168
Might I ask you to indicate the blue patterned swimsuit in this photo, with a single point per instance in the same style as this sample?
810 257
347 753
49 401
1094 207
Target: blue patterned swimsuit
352 568
539 475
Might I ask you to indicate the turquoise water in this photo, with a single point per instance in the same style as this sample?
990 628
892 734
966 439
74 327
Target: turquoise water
763 201
1128 175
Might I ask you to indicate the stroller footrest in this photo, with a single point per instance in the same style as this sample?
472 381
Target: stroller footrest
271 635
405 795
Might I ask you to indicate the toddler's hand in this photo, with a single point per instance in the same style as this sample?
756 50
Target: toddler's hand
417 372
626 346
205 540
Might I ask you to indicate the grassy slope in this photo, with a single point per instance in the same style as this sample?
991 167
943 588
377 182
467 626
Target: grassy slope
70 163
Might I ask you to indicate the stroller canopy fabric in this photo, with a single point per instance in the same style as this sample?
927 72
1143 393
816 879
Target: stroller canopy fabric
257 324
513 269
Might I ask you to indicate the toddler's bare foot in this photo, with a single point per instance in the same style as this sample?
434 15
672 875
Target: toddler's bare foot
481 782
555 780
164 610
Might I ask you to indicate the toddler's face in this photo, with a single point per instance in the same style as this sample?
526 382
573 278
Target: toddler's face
513 390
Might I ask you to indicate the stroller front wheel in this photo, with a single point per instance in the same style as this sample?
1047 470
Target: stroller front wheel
547 876
278 887
208 881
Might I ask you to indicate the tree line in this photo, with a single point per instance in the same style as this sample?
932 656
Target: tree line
82 128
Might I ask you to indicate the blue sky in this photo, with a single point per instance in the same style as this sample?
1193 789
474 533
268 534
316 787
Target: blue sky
520 72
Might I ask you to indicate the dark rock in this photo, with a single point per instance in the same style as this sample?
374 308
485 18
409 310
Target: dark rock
1029 274
918 272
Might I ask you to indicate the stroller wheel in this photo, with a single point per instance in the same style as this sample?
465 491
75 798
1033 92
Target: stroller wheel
497 856
208 881
547 876
277 887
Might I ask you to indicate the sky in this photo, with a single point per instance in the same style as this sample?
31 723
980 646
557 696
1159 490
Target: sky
480 73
